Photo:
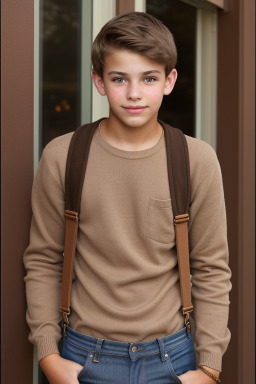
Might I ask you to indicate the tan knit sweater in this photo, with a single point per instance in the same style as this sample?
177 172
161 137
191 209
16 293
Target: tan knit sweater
126 284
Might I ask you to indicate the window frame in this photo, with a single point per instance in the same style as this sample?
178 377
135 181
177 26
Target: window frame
206 76
86 80
140 6
206 4
102 13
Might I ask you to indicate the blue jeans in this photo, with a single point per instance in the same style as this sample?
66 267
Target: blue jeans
157 361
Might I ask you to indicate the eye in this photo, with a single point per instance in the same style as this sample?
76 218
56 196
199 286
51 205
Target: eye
150 79
118 80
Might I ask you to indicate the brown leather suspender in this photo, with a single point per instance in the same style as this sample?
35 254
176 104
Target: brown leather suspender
179 182
78 154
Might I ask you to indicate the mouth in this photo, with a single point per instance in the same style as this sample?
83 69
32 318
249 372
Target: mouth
134 109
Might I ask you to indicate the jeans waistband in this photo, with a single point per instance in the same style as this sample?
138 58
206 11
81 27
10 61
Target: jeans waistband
133 350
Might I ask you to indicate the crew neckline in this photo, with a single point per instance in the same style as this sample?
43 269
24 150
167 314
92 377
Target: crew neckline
130 154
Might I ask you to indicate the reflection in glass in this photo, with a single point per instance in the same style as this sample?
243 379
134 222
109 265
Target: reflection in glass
178 109
61 68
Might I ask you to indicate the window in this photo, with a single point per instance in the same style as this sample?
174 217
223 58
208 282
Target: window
178 109
64 96
63 93
62 68
62 80
60 41
192 104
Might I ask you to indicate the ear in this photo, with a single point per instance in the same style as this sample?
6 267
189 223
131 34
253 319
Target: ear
98 82
170 82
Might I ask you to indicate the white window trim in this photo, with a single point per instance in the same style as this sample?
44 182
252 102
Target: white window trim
86 81
206 76
140 6
205 4
218 3
103 11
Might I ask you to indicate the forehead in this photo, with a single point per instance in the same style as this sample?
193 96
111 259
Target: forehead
130 63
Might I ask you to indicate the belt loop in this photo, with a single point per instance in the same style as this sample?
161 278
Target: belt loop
96 358
162 349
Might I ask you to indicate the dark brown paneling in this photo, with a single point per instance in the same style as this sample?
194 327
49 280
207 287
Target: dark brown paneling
247 193
227 149
235 147
123 6
16 179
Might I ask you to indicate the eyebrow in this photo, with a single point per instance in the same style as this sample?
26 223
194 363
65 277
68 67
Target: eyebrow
125 74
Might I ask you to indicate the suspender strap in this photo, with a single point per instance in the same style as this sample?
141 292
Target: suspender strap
178 169
76 164
181 230
69 254
179 182
75 172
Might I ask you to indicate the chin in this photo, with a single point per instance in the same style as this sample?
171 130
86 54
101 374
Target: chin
135 122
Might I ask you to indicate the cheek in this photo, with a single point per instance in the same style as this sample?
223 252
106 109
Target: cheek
156 96
114 94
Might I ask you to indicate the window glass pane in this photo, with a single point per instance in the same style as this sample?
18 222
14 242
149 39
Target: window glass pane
60 68
178 109
60 57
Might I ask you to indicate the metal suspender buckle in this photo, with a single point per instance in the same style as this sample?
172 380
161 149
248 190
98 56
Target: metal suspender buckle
187 323
65 314
186 312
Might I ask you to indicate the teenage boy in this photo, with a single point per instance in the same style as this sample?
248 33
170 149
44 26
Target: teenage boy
126 325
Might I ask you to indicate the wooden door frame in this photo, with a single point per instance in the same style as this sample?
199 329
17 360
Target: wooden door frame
16 179
236 152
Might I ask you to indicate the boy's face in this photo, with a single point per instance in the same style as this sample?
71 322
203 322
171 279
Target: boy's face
135 86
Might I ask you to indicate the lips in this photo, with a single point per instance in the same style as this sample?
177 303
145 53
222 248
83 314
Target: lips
134 109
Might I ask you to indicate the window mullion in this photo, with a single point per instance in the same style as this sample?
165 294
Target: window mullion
102 12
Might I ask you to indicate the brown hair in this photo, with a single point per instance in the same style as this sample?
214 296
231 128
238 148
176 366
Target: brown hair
138 32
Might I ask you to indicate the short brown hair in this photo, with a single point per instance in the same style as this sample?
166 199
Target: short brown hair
138 32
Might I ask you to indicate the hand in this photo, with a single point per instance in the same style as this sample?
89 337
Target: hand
198 377
59 370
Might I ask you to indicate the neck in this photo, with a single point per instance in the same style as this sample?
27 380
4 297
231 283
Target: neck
130 138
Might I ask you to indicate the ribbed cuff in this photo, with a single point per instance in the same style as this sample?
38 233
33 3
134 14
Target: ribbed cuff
46 346
210 360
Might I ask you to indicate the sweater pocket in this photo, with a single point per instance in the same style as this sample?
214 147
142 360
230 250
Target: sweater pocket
159 223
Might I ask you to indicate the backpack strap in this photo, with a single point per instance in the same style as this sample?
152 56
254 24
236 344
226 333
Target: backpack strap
78 154
179 182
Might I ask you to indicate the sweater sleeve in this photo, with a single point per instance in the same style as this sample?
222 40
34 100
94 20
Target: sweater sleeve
43 260
210 274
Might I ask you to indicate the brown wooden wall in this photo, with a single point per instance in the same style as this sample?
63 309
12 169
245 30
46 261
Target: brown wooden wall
236 151
124 6
16 180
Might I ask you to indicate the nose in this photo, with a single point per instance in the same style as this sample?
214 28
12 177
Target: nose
134 91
